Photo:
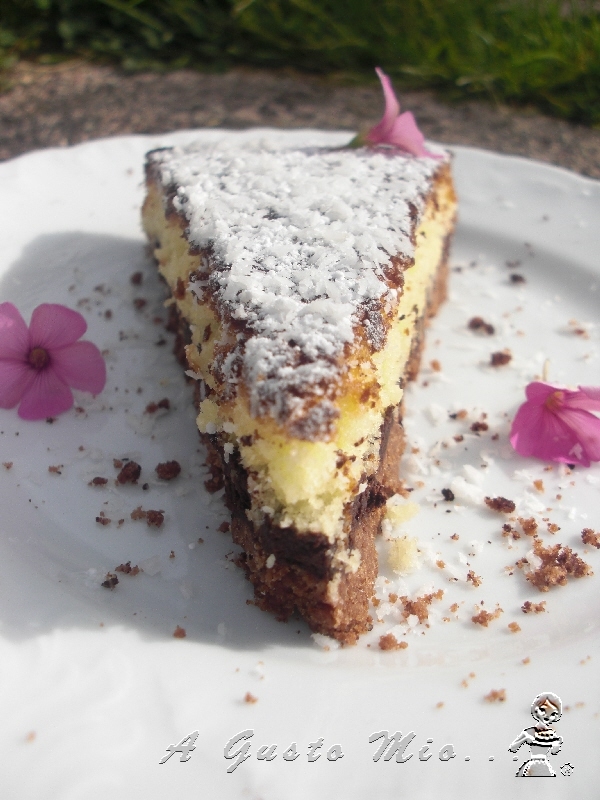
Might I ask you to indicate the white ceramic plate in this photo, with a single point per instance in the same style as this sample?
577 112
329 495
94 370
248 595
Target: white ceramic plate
94 687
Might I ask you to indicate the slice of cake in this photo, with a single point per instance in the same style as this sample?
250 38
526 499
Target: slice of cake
301 283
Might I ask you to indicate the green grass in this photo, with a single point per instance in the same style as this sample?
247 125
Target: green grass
543 53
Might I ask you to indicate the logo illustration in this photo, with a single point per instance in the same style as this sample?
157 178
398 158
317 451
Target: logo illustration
541 738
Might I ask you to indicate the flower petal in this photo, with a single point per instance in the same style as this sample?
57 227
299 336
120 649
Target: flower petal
538 392
586 428
379 132
15 377
538 432
46 396
14 336
53 326
593 392
81 366
406 135
587 398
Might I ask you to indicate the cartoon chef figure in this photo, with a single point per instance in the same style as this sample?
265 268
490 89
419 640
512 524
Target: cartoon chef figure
542 738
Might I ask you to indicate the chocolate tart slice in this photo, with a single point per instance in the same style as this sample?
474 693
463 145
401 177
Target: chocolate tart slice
301 283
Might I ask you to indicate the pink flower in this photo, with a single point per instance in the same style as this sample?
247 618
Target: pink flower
39 364
556 424
396 129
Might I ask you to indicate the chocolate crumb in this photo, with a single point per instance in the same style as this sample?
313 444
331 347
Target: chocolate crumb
155 519
448 495
168 470
136 278
179 632
110 581
224 527
7 464
98 481
152 408
588 536
172 554
117 463
129 473
500 358
480 326
103 520
516 278
500 504
139 303
56 469
479 426
389 642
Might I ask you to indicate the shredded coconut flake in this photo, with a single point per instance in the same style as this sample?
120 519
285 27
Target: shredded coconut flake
300 240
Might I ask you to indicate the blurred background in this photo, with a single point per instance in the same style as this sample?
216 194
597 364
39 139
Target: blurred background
519 76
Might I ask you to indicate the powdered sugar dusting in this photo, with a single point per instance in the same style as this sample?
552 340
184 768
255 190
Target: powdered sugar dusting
300 240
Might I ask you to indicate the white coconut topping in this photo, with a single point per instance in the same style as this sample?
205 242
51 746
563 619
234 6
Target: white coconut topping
300 240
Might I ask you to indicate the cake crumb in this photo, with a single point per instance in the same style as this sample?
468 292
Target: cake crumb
136 278
538 485
389 642
440 564
514 627
500 358
588 536
168 470
529 526
533 608
224 527
558 564
435 365
56 469
553 527
103 519
138 513
179 633
484 617
7 464
476 580
129 473
419 607
110 581
403 555
455 537
250 698
30 737
526 660
495 696
500 504
439 704
127 569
